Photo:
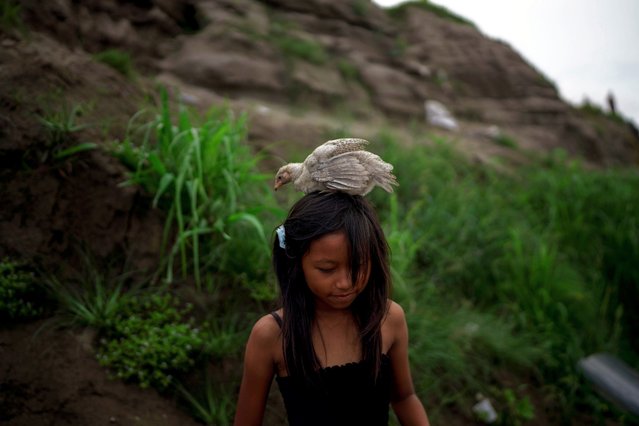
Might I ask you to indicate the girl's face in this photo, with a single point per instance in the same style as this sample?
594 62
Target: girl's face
327 270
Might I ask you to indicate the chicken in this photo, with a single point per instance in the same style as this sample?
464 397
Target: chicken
339 165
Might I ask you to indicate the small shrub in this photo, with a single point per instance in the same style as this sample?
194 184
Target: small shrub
593 110
11 16
150 341
20 297
518 410
116 59
506 141
399 47
441 78
400 11
295 47
360 7
302 49
348 70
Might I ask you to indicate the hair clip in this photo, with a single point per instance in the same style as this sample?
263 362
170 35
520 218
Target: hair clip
281 235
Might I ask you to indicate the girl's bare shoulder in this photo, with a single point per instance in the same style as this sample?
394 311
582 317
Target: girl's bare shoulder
266 331
395 316
395 310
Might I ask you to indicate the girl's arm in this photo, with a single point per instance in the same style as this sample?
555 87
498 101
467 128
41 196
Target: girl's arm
258 372
407 406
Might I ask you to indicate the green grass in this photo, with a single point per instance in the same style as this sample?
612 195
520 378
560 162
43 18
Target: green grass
595 111
282 34
400 11
61 123
211 403
61 126
348 70
88 300
89 293
294 47
116 59
506 141
205 178
360 7
542 267
11 16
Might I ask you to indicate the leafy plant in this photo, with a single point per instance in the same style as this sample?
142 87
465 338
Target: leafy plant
20 296
517 410
116 59
149 340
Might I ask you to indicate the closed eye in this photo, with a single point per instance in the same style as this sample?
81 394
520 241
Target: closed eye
326 270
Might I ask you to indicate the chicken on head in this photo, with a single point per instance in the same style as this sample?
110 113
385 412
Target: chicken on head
339 165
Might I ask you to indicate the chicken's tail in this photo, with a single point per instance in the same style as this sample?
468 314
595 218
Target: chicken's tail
383 176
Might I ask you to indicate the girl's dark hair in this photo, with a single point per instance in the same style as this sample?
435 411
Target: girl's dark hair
313 216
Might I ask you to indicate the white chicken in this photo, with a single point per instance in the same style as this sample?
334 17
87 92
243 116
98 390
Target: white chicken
339 165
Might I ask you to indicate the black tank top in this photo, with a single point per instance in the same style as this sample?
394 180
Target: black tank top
345 395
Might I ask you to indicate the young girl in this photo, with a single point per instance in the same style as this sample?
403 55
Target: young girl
338 345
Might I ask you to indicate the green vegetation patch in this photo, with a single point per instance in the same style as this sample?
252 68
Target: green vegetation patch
532 272
150 340
205 178
61 126
116 59
348 70
11 16
89 299
400 11
506 141
20 295
295 47
593 110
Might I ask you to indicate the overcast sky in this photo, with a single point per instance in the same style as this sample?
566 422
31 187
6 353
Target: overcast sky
587 47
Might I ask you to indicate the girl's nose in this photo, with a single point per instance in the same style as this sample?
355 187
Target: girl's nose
343 281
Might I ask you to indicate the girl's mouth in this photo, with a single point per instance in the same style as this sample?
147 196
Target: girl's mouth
343 296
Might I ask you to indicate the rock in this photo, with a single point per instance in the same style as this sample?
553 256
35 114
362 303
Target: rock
198 63
438 115
392 90
323 81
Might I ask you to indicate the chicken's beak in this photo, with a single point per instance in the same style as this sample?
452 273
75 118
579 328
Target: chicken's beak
276 186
